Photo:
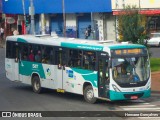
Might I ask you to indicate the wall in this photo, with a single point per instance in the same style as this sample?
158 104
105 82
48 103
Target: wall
110 27
98 26
71 29
142 3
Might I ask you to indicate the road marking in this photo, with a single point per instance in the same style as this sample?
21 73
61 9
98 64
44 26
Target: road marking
138 105
153 118
145 109
146 103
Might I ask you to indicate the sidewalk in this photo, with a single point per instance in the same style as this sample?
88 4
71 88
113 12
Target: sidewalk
155 81
2 44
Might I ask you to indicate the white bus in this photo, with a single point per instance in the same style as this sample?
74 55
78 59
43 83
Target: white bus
97 70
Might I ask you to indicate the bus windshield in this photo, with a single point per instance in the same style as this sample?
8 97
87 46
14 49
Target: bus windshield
131 71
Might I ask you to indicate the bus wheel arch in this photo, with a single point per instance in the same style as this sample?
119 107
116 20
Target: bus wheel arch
36 84
88 93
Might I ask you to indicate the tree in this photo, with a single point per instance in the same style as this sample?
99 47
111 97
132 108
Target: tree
132 25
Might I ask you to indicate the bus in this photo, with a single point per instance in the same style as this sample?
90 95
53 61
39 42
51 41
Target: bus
95 69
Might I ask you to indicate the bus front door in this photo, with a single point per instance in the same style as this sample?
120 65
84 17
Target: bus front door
103 84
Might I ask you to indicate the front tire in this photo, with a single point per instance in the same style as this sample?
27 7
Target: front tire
36 85
89 94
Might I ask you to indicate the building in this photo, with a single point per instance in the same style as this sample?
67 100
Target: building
149 8
56 16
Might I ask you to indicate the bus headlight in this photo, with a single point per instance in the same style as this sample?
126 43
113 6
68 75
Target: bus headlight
148 87
115 88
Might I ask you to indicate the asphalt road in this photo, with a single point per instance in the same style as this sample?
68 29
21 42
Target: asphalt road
19 97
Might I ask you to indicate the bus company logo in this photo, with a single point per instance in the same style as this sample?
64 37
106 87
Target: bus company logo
48 71
35 66
8 66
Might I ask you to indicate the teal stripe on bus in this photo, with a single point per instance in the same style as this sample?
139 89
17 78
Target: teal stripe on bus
82 46
21 40
27 68
88 75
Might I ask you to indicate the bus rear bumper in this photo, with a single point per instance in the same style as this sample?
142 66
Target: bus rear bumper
129 95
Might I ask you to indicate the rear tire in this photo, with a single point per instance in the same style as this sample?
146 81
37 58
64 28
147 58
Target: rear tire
89 94
36 85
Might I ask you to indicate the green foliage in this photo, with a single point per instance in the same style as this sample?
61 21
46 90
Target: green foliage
155 64
132 26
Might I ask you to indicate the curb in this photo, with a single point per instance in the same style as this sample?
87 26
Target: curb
155 92
2 45
157 72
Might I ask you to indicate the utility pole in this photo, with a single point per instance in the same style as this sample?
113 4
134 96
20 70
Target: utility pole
92 26
116 22
31 13
64 18
139 5
24 13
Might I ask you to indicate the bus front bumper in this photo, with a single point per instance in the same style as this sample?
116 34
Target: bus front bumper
129 95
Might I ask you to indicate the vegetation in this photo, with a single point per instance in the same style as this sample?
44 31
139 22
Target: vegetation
155 64
132 25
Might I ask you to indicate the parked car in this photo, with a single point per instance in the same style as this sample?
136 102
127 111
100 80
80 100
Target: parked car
154 40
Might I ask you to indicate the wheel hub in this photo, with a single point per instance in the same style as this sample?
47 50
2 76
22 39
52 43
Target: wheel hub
90 94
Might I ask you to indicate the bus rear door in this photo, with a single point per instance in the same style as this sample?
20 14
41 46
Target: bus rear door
60 74
12 60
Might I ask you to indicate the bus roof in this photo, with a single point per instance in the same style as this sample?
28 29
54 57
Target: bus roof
72 42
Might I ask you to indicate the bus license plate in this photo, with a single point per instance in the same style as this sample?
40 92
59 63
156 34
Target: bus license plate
134 97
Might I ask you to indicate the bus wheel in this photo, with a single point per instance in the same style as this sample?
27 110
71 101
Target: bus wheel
89 94
36 84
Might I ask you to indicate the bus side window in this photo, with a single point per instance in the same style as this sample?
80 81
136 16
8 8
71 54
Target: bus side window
9 51
89 59
38 53
24 52
71 59
75 58
31 52
51 56
45 54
